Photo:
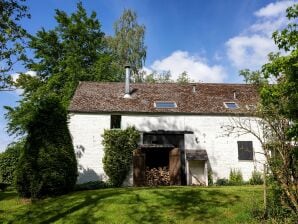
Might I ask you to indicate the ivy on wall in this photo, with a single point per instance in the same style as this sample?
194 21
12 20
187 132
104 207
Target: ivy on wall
118 148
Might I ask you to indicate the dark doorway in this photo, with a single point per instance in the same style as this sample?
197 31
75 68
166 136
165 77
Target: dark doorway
157 158
163 156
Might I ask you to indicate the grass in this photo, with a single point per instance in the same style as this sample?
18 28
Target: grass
137 205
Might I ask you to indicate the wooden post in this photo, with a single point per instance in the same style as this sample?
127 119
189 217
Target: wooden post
265 189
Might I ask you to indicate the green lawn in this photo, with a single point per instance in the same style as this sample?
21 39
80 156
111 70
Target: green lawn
137 205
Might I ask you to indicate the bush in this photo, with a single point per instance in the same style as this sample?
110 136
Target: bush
47 165
118 148
8 162
256 178
235 177
210 178
92 185
222 182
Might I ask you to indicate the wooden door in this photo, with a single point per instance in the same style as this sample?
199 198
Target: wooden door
175 166
138 168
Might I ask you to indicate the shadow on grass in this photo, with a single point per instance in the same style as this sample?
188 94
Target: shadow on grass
199 204
135 205
7 195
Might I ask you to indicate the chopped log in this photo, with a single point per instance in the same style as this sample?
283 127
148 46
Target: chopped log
159 176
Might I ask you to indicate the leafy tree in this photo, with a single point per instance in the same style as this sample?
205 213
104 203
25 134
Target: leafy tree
12 38
73 51
8 162
47 165
279 111
159 77
183 78
128 43
118 148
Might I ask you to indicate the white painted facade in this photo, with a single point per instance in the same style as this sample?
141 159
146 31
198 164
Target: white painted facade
208 134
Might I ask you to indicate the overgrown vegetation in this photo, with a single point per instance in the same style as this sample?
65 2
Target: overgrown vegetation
47 165
8 162
235 177
278 111
118 149
256 178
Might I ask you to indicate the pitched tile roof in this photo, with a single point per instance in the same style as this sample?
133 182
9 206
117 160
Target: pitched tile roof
94 97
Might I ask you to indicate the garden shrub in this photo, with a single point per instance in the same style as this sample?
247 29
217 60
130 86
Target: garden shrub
256 178
235 177
118 148
222 182
47 165
8 162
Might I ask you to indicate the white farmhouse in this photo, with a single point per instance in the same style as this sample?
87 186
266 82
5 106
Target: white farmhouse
181 126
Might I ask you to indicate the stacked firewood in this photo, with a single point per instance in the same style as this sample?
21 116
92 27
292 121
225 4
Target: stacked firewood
157 176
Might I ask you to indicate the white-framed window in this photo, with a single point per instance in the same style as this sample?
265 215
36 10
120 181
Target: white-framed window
165 104
231 105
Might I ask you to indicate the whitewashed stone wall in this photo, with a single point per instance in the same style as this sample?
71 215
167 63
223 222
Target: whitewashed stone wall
209 134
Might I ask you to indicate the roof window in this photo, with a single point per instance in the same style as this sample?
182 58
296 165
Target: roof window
231 105
165 104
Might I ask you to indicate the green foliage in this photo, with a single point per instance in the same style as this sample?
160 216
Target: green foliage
279 110
222 182
210 178
8 162
183 78
72 51
256 178
47 165
118 148
276 201
159 77
128 43
12 38
235 177
91 185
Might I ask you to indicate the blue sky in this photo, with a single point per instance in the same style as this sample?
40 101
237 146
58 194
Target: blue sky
211 40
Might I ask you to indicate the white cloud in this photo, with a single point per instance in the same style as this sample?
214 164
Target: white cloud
251 49
273 9
196 67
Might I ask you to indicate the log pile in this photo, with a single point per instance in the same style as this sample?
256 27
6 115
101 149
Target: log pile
157 176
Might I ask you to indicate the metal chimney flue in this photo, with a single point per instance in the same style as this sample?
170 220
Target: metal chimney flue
127 80
234 94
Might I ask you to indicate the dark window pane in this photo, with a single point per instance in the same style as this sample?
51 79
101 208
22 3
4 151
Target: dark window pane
245 150
115 121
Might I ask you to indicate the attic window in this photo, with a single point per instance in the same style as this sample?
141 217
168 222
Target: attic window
231 105
165 104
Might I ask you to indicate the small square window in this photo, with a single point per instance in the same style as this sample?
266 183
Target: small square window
245 150
115 121
165 104
231 105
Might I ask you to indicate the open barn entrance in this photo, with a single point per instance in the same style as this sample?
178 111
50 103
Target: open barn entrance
157 166
160 160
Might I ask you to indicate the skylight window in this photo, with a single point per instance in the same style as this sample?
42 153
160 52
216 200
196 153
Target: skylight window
165 104
231 105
